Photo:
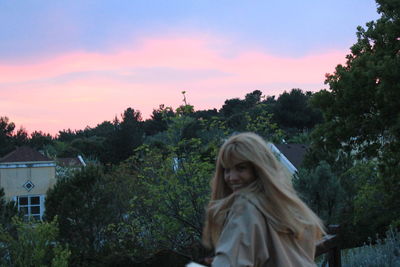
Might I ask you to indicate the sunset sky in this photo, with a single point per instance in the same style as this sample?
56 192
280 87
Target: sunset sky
72 64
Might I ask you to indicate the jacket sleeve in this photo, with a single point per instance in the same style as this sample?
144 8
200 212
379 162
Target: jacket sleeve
243 240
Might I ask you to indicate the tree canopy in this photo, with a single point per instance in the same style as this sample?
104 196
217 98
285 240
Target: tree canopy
362 115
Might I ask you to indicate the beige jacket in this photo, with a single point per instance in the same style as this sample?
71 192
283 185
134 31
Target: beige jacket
247 239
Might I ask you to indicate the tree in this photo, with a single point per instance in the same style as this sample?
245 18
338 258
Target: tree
206 114
361 108
179 127
86 205
21 137
321 190
33 244
66 135
363 214
259 121
232 106
172 191
92 147
253 98
39 140
234 109
8 210
292 111
6 132
129 135
104 129
158 121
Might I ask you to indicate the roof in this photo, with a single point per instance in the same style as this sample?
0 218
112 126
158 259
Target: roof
24 154
293 152
69 162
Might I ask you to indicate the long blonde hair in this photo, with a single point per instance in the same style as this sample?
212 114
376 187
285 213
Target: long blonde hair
286 212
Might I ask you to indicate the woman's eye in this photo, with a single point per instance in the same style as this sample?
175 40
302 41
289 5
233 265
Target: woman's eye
241 168
226 170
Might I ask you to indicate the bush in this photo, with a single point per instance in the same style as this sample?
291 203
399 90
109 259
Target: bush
33 244
384 252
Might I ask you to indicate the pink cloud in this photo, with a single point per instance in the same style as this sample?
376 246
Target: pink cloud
79 89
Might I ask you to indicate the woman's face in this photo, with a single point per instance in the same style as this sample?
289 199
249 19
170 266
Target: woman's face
239 175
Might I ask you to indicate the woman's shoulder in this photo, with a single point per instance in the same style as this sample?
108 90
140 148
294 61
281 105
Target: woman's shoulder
244 213
245 201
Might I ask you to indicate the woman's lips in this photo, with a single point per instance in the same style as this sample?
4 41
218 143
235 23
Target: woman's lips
236 186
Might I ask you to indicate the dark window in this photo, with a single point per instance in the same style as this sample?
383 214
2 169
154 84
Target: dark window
35 210
35 200
30 206
23 201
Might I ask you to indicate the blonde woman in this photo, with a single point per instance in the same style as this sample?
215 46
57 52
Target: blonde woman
255 217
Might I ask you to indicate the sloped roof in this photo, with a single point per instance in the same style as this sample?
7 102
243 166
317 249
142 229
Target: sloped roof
69 162
293 152
24 154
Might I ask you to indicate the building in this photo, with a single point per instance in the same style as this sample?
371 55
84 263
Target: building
290 155
25 176
72 163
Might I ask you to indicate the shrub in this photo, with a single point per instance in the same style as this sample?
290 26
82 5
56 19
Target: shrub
384 252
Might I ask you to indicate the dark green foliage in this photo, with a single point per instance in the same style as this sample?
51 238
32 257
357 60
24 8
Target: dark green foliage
259 121
158 121
361 108
128 136
362 117
28 243
206 114
21 137
231 107
6 131
32 244
66 135
104 129
63 150
89 146
39 140
364 213
321 190
173 189
292 111
7 211
86 204
234 109
252 98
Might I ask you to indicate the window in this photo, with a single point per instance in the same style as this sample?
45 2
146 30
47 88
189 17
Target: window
31 206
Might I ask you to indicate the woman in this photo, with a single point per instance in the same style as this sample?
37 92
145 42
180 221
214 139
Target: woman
254 217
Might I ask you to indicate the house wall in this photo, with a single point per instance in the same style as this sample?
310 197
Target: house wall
14 176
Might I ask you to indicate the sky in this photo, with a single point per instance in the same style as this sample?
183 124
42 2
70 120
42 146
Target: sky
73 64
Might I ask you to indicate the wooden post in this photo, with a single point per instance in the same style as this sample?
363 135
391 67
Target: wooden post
329 245
335 257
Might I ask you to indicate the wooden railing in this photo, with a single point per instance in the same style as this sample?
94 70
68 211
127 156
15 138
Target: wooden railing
329 245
